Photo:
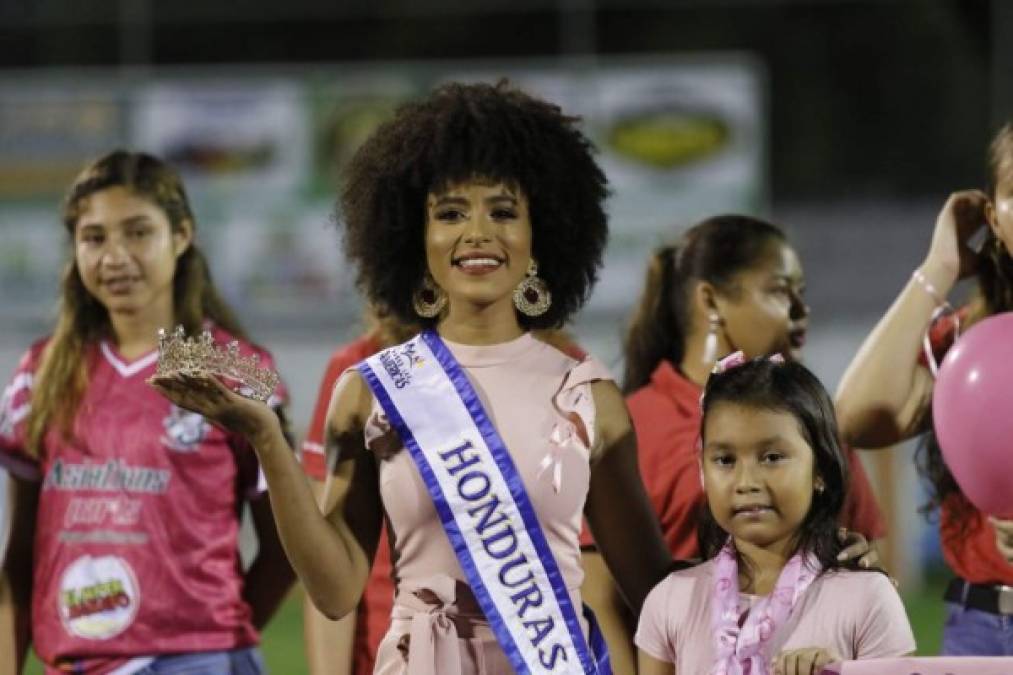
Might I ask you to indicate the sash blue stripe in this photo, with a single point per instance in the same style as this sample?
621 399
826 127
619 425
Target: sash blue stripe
512 477
457 541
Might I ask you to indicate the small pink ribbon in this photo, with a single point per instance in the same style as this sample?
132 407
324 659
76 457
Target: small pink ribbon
736 359
562 437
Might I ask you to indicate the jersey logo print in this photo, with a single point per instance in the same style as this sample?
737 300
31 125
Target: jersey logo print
98 597
184 430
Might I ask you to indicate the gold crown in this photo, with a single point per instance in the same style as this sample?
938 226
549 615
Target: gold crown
178 353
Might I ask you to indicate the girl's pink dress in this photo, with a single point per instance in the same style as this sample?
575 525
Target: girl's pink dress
540 401
856 614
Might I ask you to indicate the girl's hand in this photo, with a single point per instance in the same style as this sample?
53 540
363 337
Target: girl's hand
950 257
206 395
1003 537
808 661
856 547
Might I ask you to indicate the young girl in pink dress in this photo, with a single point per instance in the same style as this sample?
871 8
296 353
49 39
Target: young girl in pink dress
772 596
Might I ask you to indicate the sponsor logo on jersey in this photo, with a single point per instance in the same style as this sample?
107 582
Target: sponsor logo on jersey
184 430
99 511
112 476
98 597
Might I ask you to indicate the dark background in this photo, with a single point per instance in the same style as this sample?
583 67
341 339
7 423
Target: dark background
877 97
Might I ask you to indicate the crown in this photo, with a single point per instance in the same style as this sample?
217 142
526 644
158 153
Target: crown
178 353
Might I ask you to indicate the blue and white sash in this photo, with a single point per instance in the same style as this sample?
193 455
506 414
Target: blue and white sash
483 507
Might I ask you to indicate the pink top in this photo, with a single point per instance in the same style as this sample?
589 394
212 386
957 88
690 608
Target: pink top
540 401
136 543
856 614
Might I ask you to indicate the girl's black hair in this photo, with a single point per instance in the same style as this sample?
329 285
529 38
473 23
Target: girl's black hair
715 250
463 132
792 388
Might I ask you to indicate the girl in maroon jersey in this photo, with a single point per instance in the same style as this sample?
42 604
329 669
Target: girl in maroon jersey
123 550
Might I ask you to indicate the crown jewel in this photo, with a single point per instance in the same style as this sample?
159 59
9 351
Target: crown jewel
178 353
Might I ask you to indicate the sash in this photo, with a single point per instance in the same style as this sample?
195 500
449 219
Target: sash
483 507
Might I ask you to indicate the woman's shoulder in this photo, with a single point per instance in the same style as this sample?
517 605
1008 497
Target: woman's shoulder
352 401
569 359
574 366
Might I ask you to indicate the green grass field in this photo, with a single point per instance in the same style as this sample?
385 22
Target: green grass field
283 646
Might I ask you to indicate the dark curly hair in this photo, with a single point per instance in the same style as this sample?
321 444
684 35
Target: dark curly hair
788 387
462 132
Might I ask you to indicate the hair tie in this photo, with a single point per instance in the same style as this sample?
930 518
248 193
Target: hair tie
733 360
736 359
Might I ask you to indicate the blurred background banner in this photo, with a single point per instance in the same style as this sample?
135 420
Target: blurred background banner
228 136
262 154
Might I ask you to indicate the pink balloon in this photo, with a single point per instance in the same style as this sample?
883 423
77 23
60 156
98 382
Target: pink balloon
972 410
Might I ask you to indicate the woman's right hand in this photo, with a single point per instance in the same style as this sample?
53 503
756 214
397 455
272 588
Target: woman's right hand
205 394
950 258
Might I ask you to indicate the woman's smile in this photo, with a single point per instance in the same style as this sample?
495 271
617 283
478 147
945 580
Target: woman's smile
478 263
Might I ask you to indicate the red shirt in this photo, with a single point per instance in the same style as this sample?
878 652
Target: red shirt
136 542
373 612
666 415
966 535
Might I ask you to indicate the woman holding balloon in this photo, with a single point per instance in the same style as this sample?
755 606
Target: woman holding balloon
890 392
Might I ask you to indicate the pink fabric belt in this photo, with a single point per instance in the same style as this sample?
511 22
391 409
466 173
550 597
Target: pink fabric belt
432 617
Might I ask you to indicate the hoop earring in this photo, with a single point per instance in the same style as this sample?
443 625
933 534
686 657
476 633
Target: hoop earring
710 343
532 296
429 300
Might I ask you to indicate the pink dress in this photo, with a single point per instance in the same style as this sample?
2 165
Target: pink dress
856 614
540 401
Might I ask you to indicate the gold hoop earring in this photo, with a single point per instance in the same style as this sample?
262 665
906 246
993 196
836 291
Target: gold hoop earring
429 300
532 296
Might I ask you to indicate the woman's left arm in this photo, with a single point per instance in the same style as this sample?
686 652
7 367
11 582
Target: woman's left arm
624 525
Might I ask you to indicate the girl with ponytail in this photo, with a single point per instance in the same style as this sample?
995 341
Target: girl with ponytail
886 395
123 552
730 283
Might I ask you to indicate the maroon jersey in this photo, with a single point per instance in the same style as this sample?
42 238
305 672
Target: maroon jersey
136 544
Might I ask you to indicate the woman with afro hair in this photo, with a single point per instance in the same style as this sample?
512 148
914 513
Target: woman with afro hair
477 213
